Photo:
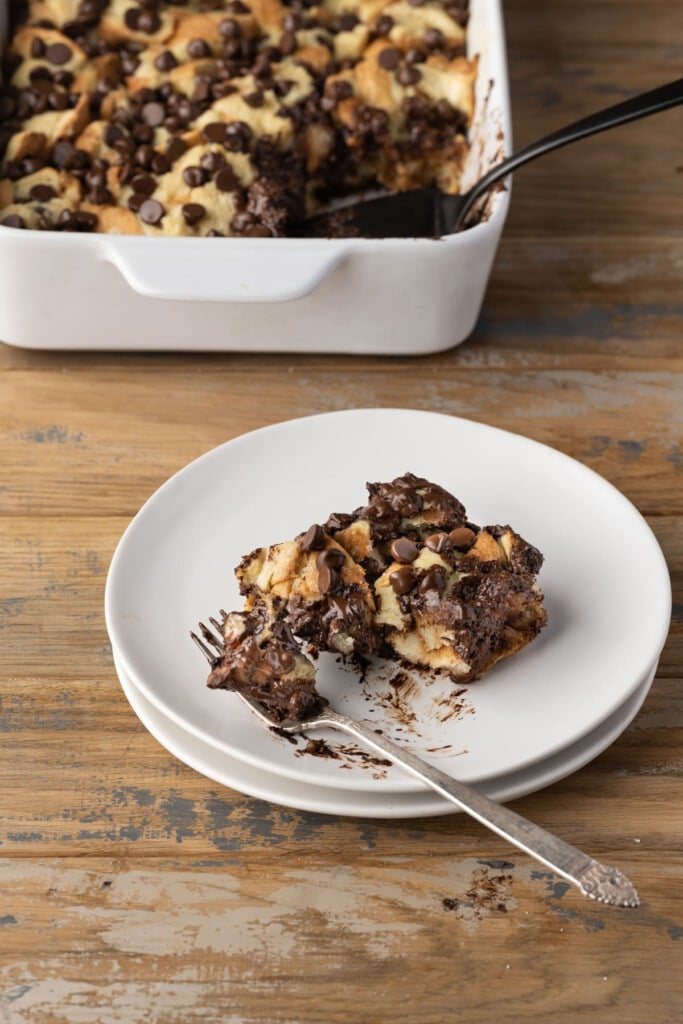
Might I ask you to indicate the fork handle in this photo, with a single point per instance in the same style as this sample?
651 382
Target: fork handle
641 105
592 878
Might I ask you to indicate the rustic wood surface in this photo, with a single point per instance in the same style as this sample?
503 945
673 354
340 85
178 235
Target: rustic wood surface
133 889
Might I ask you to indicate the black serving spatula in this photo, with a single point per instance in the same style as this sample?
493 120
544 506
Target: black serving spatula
428 212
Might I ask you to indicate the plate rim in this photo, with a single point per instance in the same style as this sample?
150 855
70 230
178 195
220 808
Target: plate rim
416 803
659 567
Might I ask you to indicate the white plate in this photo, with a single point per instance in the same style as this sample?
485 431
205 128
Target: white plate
606 584
303 796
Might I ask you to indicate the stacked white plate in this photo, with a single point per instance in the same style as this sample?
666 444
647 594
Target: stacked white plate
532 720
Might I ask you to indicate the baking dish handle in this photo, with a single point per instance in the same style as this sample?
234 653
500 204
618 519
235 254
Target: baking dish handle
192 270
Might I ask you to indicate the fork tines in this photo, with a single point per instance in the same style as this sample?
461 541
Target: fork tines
210 643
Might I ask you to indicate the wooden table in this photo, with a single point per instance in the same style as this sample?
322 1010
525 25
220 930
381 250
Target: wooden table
135 890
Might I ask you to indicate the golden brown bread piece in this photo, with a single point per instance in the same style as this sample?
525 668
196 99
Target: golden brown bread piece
406 577
318 101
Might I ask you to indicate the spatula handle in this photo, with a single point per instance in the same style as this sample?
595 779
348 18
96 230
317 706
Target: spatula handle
642 105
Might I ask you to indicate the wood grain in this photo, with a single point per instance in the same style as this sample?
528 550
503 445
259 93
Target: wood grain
95 441
305 941
135 891
165 808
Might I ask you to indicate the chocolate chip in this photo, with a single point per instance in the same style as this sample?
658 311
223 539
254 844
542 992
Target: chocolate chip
58 100
201 91
175 149
458 12
434 39
90 10
257 231
136 201
216 131
384 25
43 193
153 114
100 196
165 61
193 213
314 539
438 542
151 211
143 134
144 156
226 180
113 134
214 234
433 579
389 58
414 56
328 580
287 43
143 183
96 178
160 164
408 76
40 74
237 136
221 89
31 164
264 59
212 161
194 177
347 22
461 538
402 581
230 29
13 170
131 18
58 53
330 558
66 78
37 48
85 221
63 154
255 99
198 48
339 89
12 220
185 109
404 550
148 22
129 62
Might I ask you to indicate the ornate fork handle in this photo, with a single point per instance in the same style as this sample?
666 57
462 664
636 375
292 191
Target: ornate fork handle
595 880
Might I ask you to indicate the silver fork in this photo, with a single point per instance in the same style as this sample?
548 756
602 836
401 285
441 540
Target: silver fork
595 880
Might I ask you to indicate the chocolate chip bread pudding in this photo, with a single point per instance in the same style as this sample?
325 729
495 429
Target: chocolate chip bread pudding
405 577
225 117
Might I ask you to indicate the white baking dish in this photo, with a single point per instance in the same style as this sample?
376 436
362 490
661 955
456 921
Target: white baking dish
364 296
